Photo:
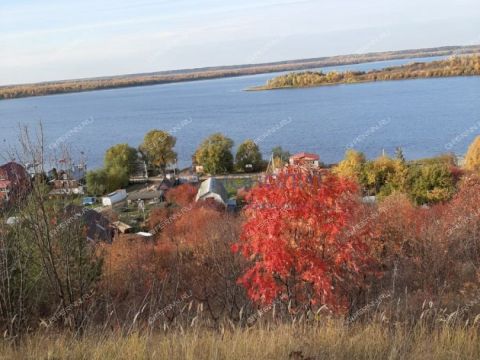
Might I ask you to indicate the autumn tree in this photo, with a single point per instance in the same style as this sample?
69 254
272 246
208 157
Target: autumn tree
215 154
298 238
377 173
384 175
352 166
248 154
472 158
157 147
182 195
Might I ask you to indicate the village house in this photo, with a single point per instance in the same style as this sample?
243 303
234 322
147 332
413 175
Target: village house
66 187
68 181
212 189
98 226
149 193
14 182
305 159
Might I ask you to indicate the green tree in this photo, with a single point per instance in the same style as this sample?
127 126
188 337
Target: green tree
397 181
248 153
102 181
279 153
378 173
472 157
119 163
431 183
121 155
117 178
97 182
157 147
215 154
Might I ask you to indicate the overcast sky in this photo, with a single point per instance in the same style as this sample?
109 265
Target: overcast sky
62 39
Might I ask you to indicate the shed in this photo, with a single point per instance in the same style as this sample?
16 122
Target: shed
114 197
212 189
122 227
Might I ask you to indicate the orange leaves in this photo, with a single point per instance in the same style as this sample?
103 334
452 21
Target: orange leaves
296 236
182 195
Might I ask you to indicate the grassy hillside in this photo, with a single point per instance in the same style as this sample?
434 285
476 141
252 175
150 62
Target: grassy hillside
330 340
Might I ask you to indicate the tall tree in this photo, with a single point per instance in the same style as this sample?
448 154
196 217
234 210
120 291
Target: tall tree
248 153
158 147
121 155
215 154
297 235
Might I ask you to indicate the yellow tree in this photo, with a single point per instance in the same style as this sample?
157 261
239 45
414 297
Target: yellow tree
472 158
352 166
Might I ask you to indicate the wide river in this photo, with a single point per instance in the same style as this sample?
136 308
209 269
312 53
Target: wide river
425 117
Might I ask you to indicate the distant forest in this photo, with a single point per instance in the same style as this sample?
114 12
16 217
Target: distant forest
454 66
69 86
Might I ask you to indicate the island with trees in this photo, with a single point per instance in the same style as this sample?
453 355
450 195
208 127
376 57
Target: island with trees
453 66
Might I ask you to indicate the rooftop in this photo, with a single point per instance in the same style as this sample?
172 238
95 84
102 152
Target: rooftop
305 155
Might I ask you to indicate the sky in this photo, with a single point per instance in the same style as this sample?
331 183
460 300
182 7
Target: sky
43 40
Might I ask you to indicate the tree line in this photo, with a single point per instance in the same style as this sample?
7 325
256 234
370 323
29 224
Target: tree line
424 181
69 86
214 155
454 66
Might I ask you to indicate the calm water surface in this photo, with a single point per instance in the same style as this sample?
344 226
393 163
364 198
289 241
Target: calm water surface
426 117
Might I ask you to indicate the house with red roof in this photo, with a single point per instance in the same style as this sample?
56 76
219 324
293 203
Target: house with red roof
305 159
14 182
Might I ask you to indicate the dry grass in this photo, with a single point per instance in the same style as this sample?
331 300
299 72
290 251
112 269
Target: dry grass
330 340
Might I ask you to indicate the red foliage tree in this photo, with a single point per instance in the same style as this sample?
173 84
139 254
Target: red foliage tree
182 195
298 238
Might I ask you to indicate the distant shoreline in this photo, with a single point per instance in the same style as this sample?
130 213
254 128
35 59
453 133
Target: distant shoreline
468 65
167 77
